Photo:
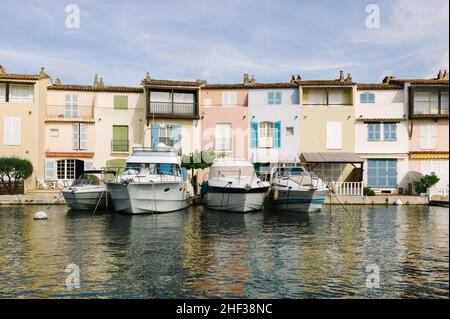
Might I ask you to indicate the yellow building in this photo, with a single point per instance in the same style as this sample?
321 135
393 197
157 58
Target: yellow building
327 128
22 110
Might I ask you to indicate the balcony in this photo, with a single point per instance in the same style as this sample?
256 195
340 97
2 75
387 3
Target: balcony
120 146
63 113
172 110
428 103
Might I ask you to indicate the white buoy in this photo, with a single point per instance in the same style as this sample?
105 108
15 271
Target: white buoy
40 215
398 201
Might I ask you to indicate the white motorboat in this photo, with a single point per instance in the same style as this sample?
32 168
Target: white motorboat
151 183
234 186
88 191
295 189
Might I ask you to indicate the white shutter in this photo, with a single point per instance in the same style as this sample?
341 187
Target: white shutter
12 130
207 103
16 130
49 169
335 97
7 131
334 135
83 137
76 136
428 136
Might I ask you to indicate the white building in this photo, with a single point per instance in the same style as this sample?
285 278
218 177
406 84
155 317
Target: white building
381 136
274 124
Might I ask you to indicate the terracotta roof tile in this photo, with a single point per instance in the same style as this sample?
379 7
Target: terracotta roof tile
418 82
29 77
378 86
90 88
325 83
280 85
171 83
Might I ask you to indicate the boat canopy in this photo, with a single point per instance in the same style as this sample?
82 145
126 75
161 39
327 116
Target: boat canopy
159 155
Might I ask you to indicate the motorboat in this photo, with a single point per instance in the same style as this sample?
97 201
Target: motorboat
234 186
296 189
151 182
88 191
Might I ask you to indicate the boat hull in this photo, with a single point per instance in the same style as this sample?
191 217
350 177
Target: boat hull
147 198
301 201
87 200
236 200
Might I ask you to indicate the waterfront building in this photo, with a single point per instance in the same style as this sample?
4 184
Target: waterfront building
327 129
381 136
22 110
90 127
274 124
428 125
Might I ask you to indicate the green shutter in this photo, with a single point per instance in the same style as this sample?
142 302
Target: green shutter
120 138
120 102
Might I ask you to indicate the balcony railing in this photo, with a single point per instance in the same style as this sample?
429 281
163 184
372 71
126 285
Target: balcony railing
175 108
120 146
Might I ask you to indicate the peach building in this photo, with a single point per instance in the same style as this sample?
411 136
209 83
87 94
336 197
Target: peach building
428 108
22 109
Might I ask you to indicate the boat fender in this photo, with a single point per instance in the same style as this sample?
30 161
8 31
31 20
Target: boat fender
275 194
40 215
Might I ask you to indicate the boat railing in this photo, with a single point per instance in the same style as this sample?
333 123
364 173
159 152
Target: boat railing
235 174
285 175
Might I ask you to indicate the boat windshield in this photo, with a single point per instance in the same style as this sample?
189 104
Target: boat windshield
231 171
86 179
152 169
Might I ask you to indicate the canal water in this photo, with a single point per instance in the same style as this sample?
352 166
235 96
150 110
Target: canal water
201 254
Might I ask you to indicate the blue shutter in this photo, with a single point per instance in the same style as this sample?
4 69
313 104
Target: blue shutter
370 98
391 173
184 173
277 134
363 98
373 131
253 134
390 131
176 135
155 135
371 173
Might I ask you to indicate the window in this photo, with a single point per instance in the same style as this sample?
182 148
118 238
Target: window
444 102
273 97
335 97
382 172
54 132
120 102
20 93
266 135
120 138
222 139
2 92
166 134
160 97
426 103
390 131
12 130
329 172
334 135
65 169
229 98
49 169
71 106
373 130
80 136
289 130
428 136
367 97
183 98
316 97
207 102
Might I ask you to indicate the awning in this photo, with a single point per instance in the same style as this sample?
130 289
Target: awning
337 157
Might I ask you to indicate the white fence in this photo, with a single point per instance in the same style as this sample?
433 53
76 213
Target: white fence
442 192
348 188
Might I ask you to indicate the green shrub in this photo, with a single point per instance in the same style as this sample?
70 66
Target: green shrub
422 184
367 191
13 171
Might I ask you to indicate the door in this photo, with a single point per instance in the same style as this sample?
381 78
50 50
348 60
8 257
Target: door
382 173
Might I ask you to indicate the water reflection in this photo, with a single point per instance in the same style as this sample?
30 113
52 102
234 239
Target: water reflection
201 254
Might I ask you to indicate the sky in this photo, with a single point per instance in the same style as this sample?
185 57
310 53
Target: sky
218 41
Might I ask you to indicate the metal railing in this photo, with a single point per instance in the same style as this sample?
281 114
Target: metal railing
172 108
120 145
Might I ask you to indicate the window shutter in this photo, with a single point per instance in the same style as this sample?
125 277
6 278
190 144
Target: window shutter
277 134
253 134
432 131
74 105
7 129
176 136
334 135
16 130
76 136
49 169
363 98
155 135
83 137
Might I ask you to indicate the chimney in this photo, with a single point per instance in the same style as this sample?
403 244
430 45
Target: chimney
148 77
95 80
101 84
349 78
445 75
293 78
253 80
201 82
246 80
57 81
439 76
299 78
42 72
2 69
